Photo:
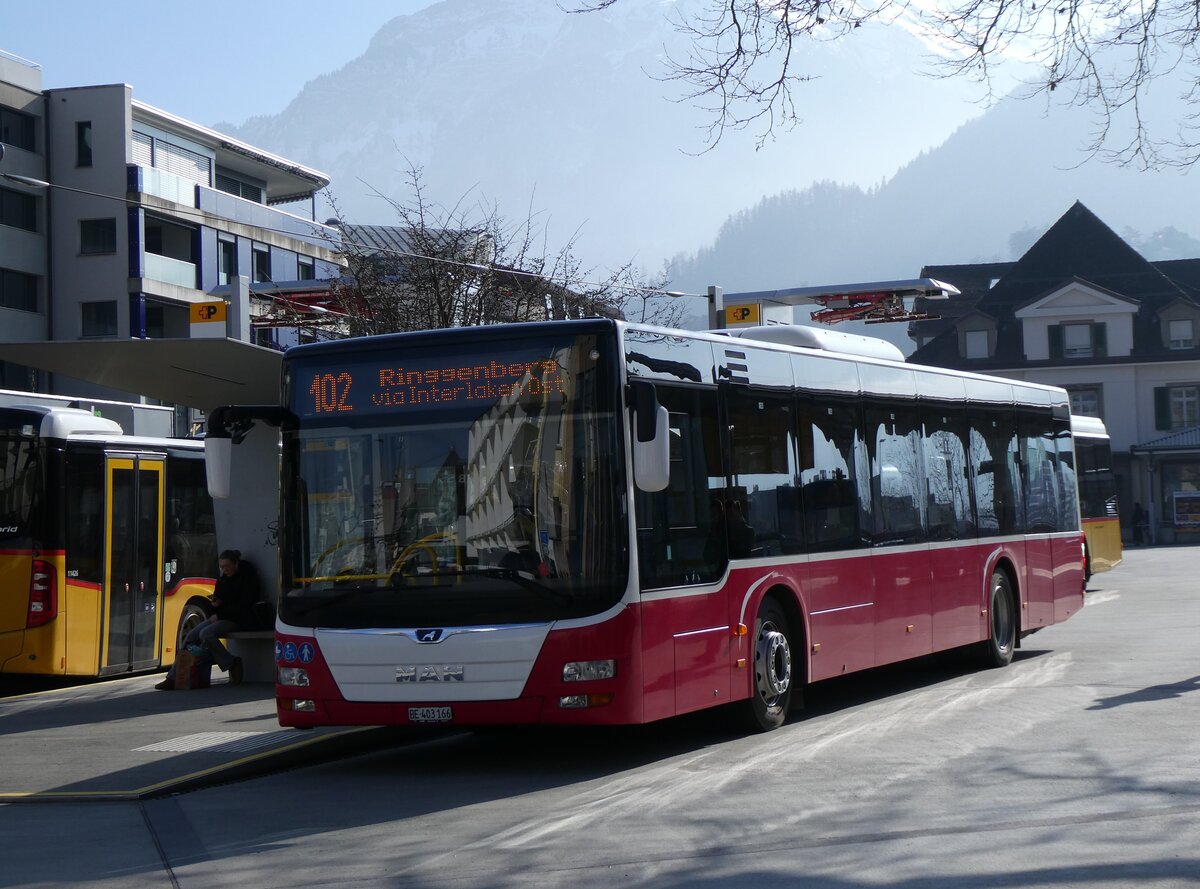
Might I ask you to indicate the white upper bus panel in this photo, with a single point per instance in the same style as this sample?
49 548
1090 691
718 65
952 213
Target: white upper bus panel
1091 426
825 340
63 422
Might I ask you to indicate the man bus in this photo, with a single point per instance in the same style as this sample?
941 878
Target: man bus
596 522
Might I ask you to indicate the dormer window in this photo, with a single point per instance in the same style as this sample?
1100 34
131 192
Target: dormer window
1179 334
976 343
1078 340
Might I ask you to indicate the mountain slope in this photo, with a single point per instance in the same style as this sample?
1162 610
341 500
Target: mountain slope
513 101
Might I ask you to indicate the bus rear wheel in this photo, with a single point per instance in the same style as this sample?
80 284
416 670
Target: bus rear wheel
997 649
774 678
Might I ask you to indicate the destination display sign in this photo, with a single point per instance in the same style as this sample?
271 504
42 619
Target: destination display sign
358 386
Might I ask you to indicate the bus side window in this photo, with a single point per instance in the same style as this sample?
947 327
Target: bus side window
680 534
85 515
831 454
997 477
762 455
949 514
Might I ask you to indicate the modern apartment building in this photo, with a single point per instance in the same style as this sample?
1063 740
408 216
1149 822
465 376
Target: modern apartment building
122 216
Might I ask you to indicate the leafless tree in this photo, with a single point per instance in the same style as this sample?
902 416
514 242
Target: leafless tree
746 57
465 265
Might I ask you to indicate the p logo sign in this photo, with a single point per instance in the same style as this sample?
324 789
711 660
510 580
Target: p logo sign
746 313
208 319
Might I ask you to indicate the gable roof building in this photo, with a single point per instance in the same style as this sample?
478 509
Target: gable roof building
1083 310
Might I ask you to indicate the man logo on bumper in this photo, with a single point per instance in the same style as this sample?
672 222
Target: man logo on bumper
429 635
429 673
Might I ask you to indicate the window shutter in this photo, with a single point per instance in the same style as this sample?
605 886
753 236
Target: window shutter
1100 339
1055 333
1162 408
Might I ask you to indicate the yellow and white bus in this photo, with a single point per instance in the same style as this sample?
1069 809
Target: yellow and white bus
1097 495
107 544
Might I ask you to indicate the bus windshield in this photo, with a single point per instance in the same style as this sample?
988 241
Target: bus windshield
496 498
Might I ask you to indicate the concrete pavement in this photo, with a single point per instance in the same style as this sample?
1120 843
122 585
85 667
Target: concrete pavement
124 740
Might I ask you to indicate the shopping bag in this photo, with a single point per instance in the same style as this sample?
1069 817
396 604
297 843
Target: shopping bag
192 671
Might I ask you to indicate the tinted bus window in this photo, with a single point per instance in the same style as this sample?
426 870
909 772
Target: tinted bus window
1039 474
681 530
85 515
21 483
1068 481
947 473
763 472
191 544
897 479
832 459
996 479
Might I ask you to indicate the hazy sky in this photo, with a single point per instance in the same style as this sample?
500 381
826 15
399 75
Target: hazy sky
219 61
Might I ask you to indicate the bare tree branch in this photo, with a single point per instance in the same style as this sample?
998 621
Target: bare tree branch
745 57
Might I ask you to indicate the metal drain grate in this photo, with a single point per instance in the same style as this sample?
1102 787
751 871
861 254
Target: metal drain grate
216 742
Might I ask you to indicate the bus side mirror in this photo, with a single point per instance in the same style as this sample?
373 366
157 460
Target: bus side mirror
651 438
218 454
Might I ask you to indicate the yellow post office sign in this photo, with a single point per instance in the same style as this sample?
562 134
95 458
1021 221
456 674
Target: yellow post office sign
745 313
203 313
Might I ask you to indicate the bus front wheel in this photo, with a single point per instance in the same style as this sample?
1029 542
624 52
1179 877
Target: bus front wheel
997 649
774 677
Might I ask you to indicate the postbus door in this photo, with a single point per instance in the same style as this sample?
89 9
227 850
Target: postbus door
132 603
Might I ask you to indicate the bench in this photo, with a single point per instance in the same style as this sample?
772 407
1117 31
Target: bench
256 648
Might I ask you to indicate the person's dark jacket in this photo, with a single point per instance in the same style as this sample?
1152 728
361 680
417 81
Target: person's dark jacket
234 596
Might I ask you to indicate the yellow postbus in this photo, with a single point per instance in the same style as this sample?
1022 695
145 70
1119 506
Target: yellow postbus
107 544
1097 495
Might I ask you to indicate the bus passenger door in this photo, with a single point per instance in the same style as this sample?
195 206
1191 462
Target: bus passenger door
133 574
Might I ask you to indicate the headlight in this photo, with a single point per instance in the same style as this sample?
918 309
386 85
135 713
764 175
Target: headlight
296 676
583 671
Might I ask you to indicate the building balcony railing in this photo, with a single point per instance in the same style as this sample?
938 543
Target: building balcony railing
185 192
237 209
169 271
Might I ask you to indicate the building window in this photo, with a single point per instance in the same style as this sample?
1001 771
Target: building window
1078 340
1185 406
83 143
155 321
306 269
100 318
976 342
1179 334
18 290
1176 407
233 184
17 129
262 264
97 236
18 209
1085 401
226 262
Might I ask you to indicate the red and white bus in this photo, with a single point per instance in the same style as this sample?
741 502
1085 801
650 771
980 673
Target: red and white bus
595 522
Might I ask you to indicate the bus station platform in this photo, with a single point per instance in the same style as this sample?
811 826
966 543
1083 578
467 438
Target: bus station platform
123 739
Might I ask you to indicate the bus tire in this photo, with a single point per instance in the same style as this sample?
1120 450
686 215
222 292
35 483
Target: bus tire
997 650
774 676
194 614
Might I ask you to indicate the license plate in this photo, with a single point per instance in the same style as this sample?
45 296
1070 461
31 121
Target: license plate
430 714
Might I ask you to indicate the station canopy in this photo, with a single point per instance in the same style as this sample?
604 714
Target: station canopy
199 373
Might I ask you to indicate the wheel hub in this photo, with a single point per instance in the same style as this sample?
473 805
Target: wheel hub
773 663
